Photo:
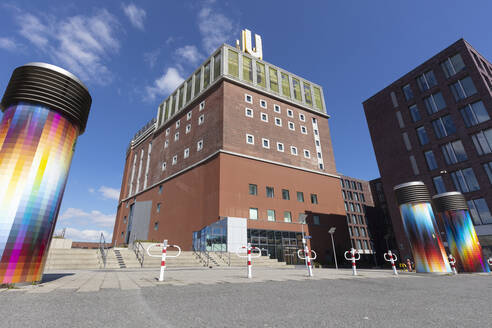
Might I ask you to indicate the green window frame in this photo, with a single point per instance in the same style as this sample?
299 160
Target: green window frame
247 69
317 98
217 63
260 74
297 89
206 75
273 79
181 97
188 90
285 84
233 63
307 94
198 76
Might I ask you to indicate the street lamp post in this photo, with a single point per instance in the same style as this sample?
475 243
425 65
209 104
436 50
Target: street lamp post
331 232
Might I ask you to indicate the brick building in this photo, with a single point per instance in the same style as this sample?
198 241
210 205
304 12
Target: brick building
433 125
240 138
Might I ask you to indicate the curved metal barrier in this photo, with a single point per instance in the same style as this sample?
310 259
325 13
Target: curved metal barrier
164 246
390 257
352 258
249 255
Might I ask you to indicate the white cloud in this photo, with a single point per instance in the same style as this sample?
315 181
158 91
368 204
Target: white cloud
214 27
87 235
92 218
135 15
110 193
92 190
8 44
82 44
164 85
190 54
151 57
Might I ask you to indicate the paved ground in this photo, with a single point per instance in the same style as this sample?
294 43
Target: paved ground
273 298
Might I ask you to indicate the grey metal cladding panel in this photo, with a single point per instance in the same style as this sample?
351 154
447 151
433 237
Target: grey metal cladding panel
141 220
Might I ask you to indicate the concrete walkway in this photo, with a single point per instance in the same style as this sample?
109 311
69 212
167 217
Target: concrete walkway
95 280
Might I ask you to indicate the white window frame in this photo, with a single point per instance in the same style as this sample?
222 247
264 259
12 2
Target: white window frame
280 145
250 101
201 119
290 113
176 136
188 128
188 116
175 159
164 166
292 126
263 103
276 108
263 143
302 117
305 151
264 114
246 110
168 130
293 150
303 129
186 153
280 120
252 138
199 145
178 124
166 143
202 105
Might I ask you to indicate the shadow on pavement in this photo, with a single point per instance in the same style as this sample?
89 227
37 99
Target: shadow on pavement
47 277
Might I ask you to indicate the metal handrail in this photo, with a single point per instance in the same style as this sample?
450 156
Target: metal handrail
103 249
139 251
226 260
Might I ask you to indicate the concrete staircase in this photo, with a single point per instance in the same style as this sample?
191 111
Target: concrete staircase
121 258
186 259
223 260
72 259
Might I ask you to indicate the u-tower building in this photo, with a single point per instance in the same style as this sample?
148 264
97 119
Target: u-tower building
240 152
434 125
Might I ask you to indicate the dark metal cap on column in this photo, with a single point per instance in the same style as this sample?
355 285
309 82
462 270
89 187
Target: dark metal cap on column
449 201
52 86
411 192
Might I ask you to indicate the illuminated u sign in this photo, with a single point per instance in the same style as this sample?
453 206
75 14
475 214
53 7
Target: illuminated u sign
247 47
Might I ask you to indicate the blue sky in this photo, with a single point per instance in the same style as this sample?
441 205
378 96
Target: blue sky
131 55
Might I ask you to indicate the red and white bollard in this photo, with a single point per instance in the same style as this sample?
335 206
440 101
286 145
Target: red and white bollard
452 262
307 257
164 246
352 258
390 257
248 250
489 261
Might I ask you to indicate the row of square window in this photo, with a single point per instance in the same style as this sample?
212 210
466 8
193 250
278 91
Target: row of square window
270 193
359 244
354 207
186 154
355 219
276 108
357 232
355 196
351 184
250 139
201 119
271 216
278 121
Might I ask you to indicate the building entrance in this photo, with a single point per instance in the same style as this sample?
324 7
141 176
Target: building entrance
280 245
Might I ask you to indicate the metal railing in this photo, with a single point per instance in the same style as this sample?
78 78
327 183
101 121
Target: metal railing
225 259
139 251
103 249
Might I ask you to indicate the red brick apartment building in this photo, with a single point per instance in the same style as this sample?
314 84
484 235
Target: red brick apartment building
434 125
240 138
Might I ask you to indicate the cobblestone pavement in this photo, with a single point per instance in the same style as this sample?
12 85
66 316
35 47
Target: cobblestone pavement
96 280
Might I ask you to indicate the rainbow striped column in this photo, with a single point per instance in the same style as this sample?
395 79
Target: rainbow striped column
421 228
463 242
45 110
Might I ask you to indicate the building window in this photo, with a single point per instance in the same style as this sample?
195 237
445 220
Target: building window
426 81
158 207
248 112
452 65
253 213
264 117
407 91
479 211
285 194
314 199
188 116
317 143
315 132
253 189
303 129
265 143
250 139
270 192
307 154
263 103
175 159
431 160
443 126
163 167
292 126
248 98
273 79
201 119
199 145
346 206
247 69
166 143
160 189
176 136
188 128
422 134
349 195
464 180
300 196
474 114
280 147
414 112
454 152
296 86
354 217
285 84
358 208
178 124
168 130
439 184
276 108
302 118
434 103
359 186
293 150
278 121
488 169
319 155
406 141
287 216
362 198
233 63
186 153
316 219
483 141
156 226
413 163
290 113
202 105
271 215
124 220
356 196
463 88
